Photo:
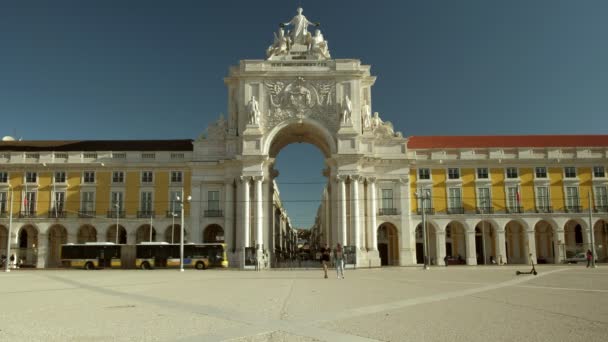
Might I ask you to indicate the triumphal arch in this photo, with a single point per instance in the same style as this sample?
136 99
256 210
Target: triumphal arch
299 93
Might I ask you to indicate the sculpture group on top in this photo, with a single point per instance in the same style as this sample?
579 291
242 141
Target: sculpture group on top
298 40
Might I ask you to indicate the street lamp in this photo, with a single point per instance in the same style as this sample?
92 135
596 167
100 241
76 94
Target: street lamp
181 228
424 196
591 233
8 237
483 230
173 214
117 206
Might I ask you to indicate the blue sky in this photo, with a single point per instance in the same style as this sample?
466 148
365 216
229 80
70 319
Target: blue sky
154 69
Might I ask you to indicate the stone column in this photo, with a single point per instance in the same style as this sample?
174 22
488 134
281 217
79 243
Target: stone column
440 250
42 250
469 237
245 228
72 238
259 214
102 235
531 247
373 212
356 219
342 185
501 250
131 238
228 212
559 239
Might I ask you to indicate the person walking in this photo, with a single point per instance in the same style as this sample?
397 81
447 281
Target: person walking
589 257
325 251
339 260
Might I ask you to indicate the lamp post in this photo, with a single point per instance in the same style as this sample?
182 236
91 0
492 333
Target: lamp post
483 230
117 206
173 214
423 195
181 235
591 233
8 237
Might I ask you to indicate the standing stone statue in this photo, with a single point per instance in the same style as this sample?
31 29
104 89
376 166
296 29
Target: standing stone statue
254 111
348 110
299 33
280 45
366 115
318 45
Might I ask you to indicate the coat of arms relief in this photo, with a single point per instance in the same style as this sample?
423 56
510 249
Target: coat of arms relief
299 99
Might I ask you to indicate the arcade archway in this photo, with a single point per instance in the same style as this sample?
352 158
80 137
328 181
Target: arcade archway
143 234
388 244
213 234
57 236
111 235
87 233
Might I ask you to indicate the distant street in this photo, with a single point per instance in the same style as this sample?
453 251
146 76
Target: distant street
561 303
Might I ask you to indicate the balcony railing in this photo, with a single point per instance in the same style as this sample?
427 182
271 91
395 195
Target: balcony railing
485 210
145 214
601 208
574 209
174 213
428 211
86 213
544 209
456 210
213 213
28 213
57 214
387 211
515 210
116 213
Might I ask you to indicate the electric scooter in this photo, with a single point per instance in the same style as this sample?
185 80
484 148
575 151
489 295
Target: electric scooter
532 271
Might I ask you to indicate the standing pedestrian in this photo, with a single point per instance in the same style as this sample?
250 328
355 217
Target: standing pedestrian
589 257
325 251
339 260
445 260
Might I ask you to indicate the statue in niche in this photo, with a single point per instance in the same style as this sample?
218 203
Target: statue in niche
318 45
280 46
366 115
347 110
376 121
253 110
299 23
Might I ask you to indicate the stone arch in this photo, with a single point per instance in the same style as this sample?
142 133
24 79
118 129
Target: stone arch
600 231
575 237
486 242
86 233
516 242
142 234
299 130
3 238
544 238
455 242
213 233
111 234
172 233
388 243
57 236
27 245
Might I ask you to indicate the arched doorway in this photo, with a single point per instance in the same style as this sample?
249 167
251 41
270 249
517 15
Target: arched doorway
3 237
388 244
600 230
122 235
575 239
86 234
213 234
455 244
143 234
516 243
544 239
57 236
27 253
485 243
172 234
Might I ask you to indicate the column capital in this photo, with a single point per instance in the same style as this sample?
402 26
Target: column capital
371 179
245 179
355 178
404 179
341 178
258 178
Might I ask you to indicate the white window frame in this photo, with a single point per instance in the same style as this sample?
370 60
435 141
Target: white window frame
457 171
28 175
480 198
382 198
65 177
455 202
143 174
536 173
429 202
511 198
30 193
542 202
180 181
89 172
122 178
598 167
83 206
567 197
4 205
487 173
121 202
218 201
4 177
149 208
566 173
600 199
173 206
507 172
420 172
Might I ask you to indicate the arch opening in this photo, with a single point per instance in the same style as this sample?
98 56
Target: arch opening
213 234
388 244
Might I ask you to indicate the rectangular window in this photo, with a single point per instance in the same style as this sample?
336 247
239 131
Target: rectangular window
3 177
118 177
176 176
147 177
59 201
31 177
117 201
599 172
601 198
454 198
428 195
572 201
512 172
29 203
88 201
542 198
60 177
541 172
174 206
146 201
89 177
482 173
3 202
483 198
424 174
213 200
453 173
387 199
512 198
570 172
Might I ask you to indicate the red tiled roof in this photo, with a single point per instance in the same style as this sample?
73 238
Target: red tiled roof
97 145
507 141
